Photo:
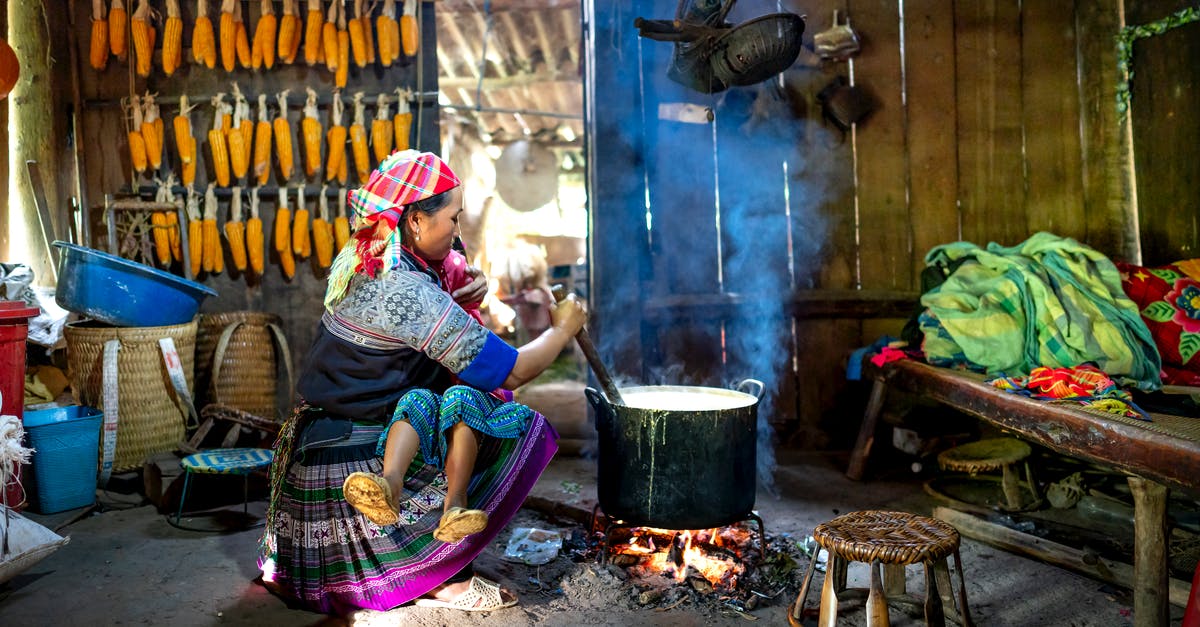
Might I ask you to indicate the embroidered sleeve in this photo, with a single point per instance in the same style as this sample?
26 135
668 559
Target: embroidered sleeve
405 308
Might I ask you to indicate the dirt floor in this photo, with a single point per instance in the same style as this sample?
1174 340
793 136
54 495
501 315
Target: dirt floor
126 565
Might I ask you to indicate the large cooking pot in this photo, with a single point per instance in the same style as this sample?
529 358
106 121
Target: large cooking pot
678 457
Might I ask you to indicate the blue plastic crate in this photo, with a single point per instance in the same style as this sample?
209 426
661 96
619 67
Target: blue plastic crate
66 443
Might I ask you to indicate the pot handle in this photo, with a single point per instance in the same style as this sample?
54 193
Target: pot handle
604 412
757 394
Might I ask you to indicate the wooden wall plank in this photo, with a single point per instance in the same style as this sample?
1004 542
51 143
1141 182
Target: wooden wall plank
932 112
885 226
988 76
1049 75
1165 113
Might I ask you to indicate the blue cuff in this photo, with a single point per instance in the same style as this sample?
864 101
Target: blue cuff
491 366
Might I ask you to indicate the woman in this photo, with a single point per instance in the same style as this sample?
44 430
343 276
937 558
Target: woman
377 382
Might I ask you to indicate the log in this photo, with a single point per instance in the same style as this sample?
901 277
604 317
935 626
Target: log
1071 558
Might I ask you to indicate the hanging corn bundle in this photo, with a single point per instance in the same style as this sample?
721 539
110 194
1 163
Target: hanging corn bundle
301 239
118 41
283 139
262 143
336 138
213 255
217 139
310 129
283 237
239 140
173 226
262 52
312 32
358 39
159 226
204 45
323 231
343 48
289 32
381 129
242 39
402 123
143 38
227 32
409 38
329 37
195 232
254 235
358 140
152 133
98 51
364 16
137 143
235 231
388 33
185 143
172 48
341 224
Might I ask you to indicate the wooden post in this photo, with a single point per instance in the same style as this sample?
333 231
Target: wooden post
866 432
1149 552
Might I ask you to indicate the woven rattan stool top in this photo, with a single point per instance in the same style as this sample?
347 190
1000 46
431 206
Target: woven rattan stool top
984 455
890 537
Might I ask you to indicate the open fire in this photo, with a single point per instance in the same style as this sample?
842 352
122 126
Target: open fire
716 555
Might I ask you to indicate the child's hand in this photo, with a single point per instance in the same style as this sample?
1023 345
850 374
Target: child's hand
473 292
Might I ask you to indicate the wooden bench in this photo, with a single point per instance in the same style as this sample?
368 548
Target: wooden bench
1157 456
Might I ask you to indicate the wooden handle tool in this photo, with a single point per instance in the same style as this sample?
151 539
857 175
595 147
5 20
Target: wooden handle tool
593 358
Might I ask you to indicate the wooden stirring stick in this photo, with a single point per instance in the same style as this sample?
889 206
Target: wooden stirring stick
593 358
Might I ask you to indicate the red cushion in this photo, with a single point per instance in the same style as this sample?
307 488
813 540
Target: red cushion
1169 299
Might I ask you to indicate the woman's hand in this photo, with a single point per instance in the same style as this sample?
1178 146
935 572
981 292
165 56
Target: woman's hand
473 292
569 314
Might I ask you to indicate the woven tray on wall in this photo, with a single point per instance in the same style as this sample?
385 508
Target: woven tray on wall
245 375
149 420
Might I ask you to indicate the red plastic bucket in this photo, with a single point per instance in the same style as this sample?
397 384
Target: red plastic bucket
14 329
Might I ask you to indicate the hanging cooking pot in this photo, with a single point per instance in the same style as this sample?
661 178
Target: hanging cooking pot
678 457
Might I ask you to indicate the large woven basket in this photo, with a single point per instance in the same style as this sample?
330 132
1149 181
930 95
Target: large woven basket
149 419
236 361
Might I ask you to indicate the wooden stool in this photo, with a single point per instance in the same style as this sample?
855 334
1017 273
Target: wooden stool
894 539
994 454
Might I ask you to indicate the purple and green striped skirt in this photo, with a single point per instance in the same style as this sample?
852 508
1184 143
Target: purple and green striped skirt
319 551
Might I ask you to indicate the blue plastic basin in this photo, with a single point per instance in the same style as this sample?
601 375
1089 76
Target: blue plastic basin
123 292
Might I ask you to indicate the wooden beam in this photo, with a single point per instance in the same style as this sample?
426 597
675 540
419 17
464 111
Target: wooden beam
522 79
801 304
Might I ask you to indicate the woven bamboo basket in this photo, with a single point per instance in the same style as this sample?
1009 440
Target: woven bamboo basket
236 361
149 419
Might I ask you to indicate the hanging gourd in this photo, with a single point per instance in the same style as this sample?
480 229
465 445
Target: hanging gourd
10 68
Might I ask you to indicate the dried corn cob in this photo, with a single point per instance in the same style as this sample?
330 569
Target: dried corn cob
342 72
242 40
329 37
185 143
301 240
341 224
118 41
288 30
217 141
227 31
152 131
137 143
388 33
158 222
312 32
310 129
358 40
409 37
323 232
263 51
98 52
204 46
213 257
195 232
343 169
235 231
262 143
283 139
358 140
283 237
299 35
143 39
335 137
368 36
173 224
254 236
237 141
381 129
402 122
172 48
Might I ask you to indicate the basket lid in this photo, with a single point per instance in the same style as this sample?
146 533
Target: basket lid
62 413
